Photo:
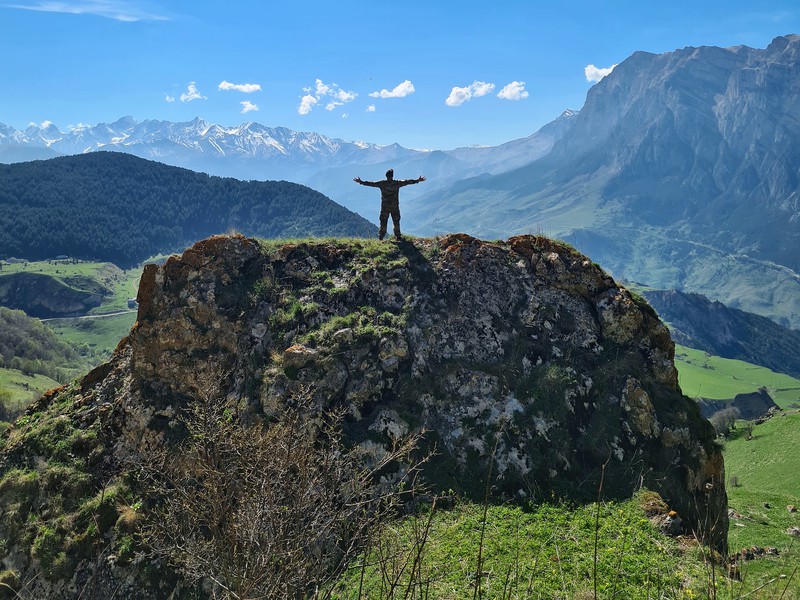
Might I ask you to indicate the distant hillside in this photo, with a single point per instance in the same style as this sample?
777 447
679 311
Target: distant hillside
119 208
28 346
680 171
697 322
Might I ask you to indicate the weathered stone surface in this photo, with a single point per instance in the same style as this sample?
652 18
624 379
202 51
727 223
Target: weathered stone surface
464 338
521 352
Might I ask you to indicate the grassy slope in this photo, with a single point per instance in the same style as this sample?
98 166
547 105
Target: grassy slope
767 468
86 276
96 337
15 393
703 375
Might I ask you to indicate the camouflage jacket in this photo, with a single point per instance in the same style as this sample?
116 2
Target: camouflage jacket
390 188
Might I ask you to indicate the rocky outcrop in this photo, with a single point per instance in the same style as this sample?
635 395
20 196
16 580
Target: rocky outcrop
520 354
751 406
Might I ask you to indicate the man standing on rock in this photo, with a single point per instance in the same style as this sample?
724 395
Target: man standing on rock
390 200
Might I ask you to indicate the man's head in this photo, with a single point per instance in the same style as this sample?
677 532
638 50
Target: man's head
390 174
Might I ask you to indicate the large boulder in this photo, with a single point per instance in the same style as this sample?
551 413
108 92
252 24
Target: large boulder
521 352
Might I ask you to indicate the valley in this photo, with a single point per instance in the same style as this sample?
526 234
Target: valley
553 447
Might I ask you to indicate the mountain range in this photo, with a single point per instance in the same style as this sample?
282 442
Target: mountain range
697 322
114 207
255 151
681 171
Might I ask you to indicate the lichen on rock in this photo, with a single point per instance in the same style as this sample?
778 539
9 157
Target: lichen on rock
526 339
519 356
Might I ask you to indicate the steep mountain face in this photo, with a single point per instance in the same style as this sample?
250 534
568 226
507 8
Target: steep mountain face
717 329
520 354
680 171
254 151
706 139
115 207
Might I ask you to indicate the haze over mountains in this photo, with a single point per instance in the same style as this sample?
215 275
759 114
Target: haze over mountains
681 171
255 151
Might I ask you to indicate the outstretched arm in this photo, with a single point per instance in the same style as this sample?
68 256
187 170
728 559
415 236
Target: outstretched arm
410 181
360 181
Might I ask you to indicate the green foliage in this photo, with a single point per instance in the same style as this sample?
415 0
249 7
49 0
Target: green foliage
123 209
28 346
53 499
48 548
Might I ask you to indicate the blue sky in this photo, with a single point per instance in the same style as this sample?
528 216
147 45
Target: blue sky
425 74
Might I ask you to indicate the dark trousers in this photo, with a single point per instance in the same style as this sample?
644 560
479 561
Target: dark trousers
389 208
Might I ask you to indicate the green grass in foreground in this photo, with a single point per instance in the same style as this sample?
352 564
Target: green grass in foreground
706 376
766 469
547 552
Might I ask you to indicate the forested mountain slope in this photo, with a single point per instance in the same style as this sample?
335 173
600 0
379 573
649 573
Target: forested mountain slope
119 208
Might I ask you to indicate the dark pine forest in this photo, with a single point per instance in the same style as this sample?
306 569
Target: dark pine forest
123 209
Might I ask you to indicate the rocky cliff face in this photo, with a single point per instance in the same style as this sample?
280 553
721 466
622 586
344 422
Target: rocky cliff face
522 354
525 344
705 137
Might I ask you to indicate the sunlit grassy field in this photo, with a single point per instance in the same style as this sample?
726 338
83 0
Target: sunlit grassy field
704 376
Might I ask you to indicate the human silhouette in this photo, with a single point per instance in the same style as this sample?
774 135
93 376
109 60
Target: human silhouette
390 200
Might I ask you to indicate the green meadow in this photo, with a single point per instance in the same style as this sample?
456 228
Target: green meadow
702 375
763 475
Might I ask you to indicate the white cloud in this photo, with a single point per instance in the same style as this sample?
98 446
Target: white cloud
192 93
307 102
343 96
336 95
595 74
400 91
371 108
480 88
169 98
513 91
119 10
247 88
459 95
248 106
344 115
322 89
